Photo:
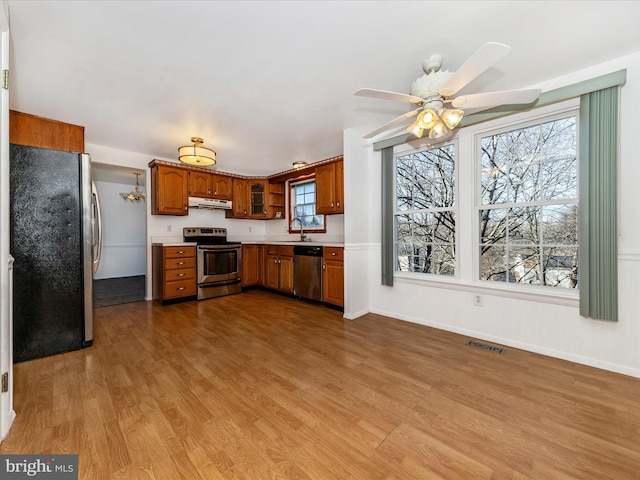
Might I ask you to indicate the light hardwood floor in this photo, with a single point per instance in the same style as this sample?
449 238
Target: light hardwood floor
260 386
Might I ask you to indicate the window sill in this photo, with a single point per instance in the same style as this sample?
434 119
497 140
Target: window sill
532 294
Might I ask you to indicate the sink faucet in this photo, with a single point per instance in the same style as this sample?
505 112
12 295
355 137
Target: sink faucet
302 235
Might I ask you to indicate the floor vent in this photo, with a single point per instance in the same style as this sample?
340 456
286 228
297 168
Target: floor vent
484 346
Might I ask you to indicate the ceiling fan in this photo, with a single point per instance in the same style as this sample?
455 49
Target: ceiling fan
436 88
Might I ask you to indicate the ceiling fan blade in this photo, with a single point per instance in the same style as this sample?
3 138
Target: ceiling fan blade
396 97
493 99
488 54
393 123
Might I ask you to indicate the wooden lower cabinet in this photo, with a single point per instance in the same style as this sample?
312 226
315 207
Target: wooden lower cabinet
271 266
252 265
333 282
278 268
174 272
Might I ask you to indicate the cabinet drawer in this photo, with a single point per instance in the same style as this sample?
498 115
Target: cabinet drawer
334 253
282 250
179 252
180 288
184 262
179 274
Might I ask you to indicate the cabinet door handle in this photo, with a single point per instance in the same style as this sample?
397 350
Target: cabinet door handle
181 288
181 252
333 254
185 208
331 204
324 266
181 274
180 263
338 204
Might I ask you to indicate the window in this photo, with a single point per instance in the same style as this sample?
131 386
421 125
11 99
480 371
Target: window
509 219
303 206
425 220
528 208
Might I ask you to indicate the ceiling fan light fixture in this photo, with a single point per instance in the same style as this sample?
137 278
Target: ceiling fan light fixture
451 117
415 129
427 118
196 154
438 130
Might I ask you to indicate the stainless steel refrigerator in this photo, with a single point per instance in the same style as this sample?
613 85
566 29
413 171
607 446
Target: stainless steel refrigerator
53 214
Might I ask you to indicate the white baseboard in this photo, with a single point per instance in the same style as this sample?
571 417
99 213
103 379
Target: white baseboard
612 367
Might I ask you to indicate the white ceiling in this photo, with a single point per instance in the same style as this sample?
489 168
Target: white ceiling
266 83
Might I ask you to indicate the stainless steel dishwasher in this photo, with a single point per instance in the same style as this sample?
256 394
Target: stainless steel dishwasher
307 272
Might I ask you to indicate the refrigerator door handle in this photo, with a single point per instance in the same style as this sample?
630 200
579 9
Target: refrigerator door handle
97 225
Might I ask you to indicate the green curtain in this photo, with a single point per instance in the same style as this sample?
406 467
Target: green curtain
388 199
598 258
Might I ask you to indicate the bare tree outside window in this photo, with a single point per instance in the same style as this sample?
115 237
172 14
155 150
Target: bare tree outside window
425 213
528 214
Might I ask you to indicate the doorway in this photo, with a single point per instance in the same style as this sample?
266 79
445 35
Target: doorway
121 274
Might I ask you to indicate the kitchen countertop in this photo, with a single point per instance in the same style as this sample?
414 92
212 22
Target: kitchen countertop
171 243
293 242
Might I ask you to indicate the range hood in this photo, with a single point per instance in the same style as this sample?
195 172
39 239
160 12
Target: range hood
210 203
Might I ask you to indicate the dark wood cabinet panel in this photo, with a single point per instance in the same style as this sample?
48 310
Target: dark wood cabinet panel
33 131
252 265
330 188
200 184
174 272
278 268
333 282
169 188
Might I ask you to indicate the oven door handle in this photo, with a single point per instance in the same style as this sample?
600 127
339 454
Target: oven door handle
225 248
219 284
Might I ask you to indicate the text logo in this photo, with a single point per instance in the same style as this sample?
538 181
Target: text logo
49 467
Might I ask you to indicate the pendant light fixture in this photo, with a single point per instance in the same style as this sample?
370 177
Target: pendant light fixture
196 154
134 195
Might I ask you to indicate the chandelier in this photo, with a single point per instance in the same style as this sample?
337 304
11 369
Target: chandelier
134 195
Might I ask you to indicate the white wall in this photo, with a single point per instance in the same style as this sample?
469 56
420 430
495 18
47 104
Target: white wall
124 236
544 325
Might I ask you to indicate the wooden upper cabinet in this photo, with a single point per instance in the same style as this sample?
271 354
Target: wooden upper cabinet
240 202
200 184
258 198
210 185
222 187
330 188
33 131
169 187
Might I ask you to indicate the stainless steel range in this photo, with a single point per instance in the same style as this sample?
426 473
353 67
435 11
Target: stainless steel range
218 262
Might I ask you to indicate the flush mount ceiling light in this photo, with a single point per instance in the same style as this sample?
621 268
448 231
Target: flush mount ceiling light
299 165
196 154
134 195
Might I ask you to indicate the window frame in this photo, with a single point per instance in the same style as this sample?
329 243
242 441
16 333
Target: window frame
409 149
516 121
468 169
290 205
